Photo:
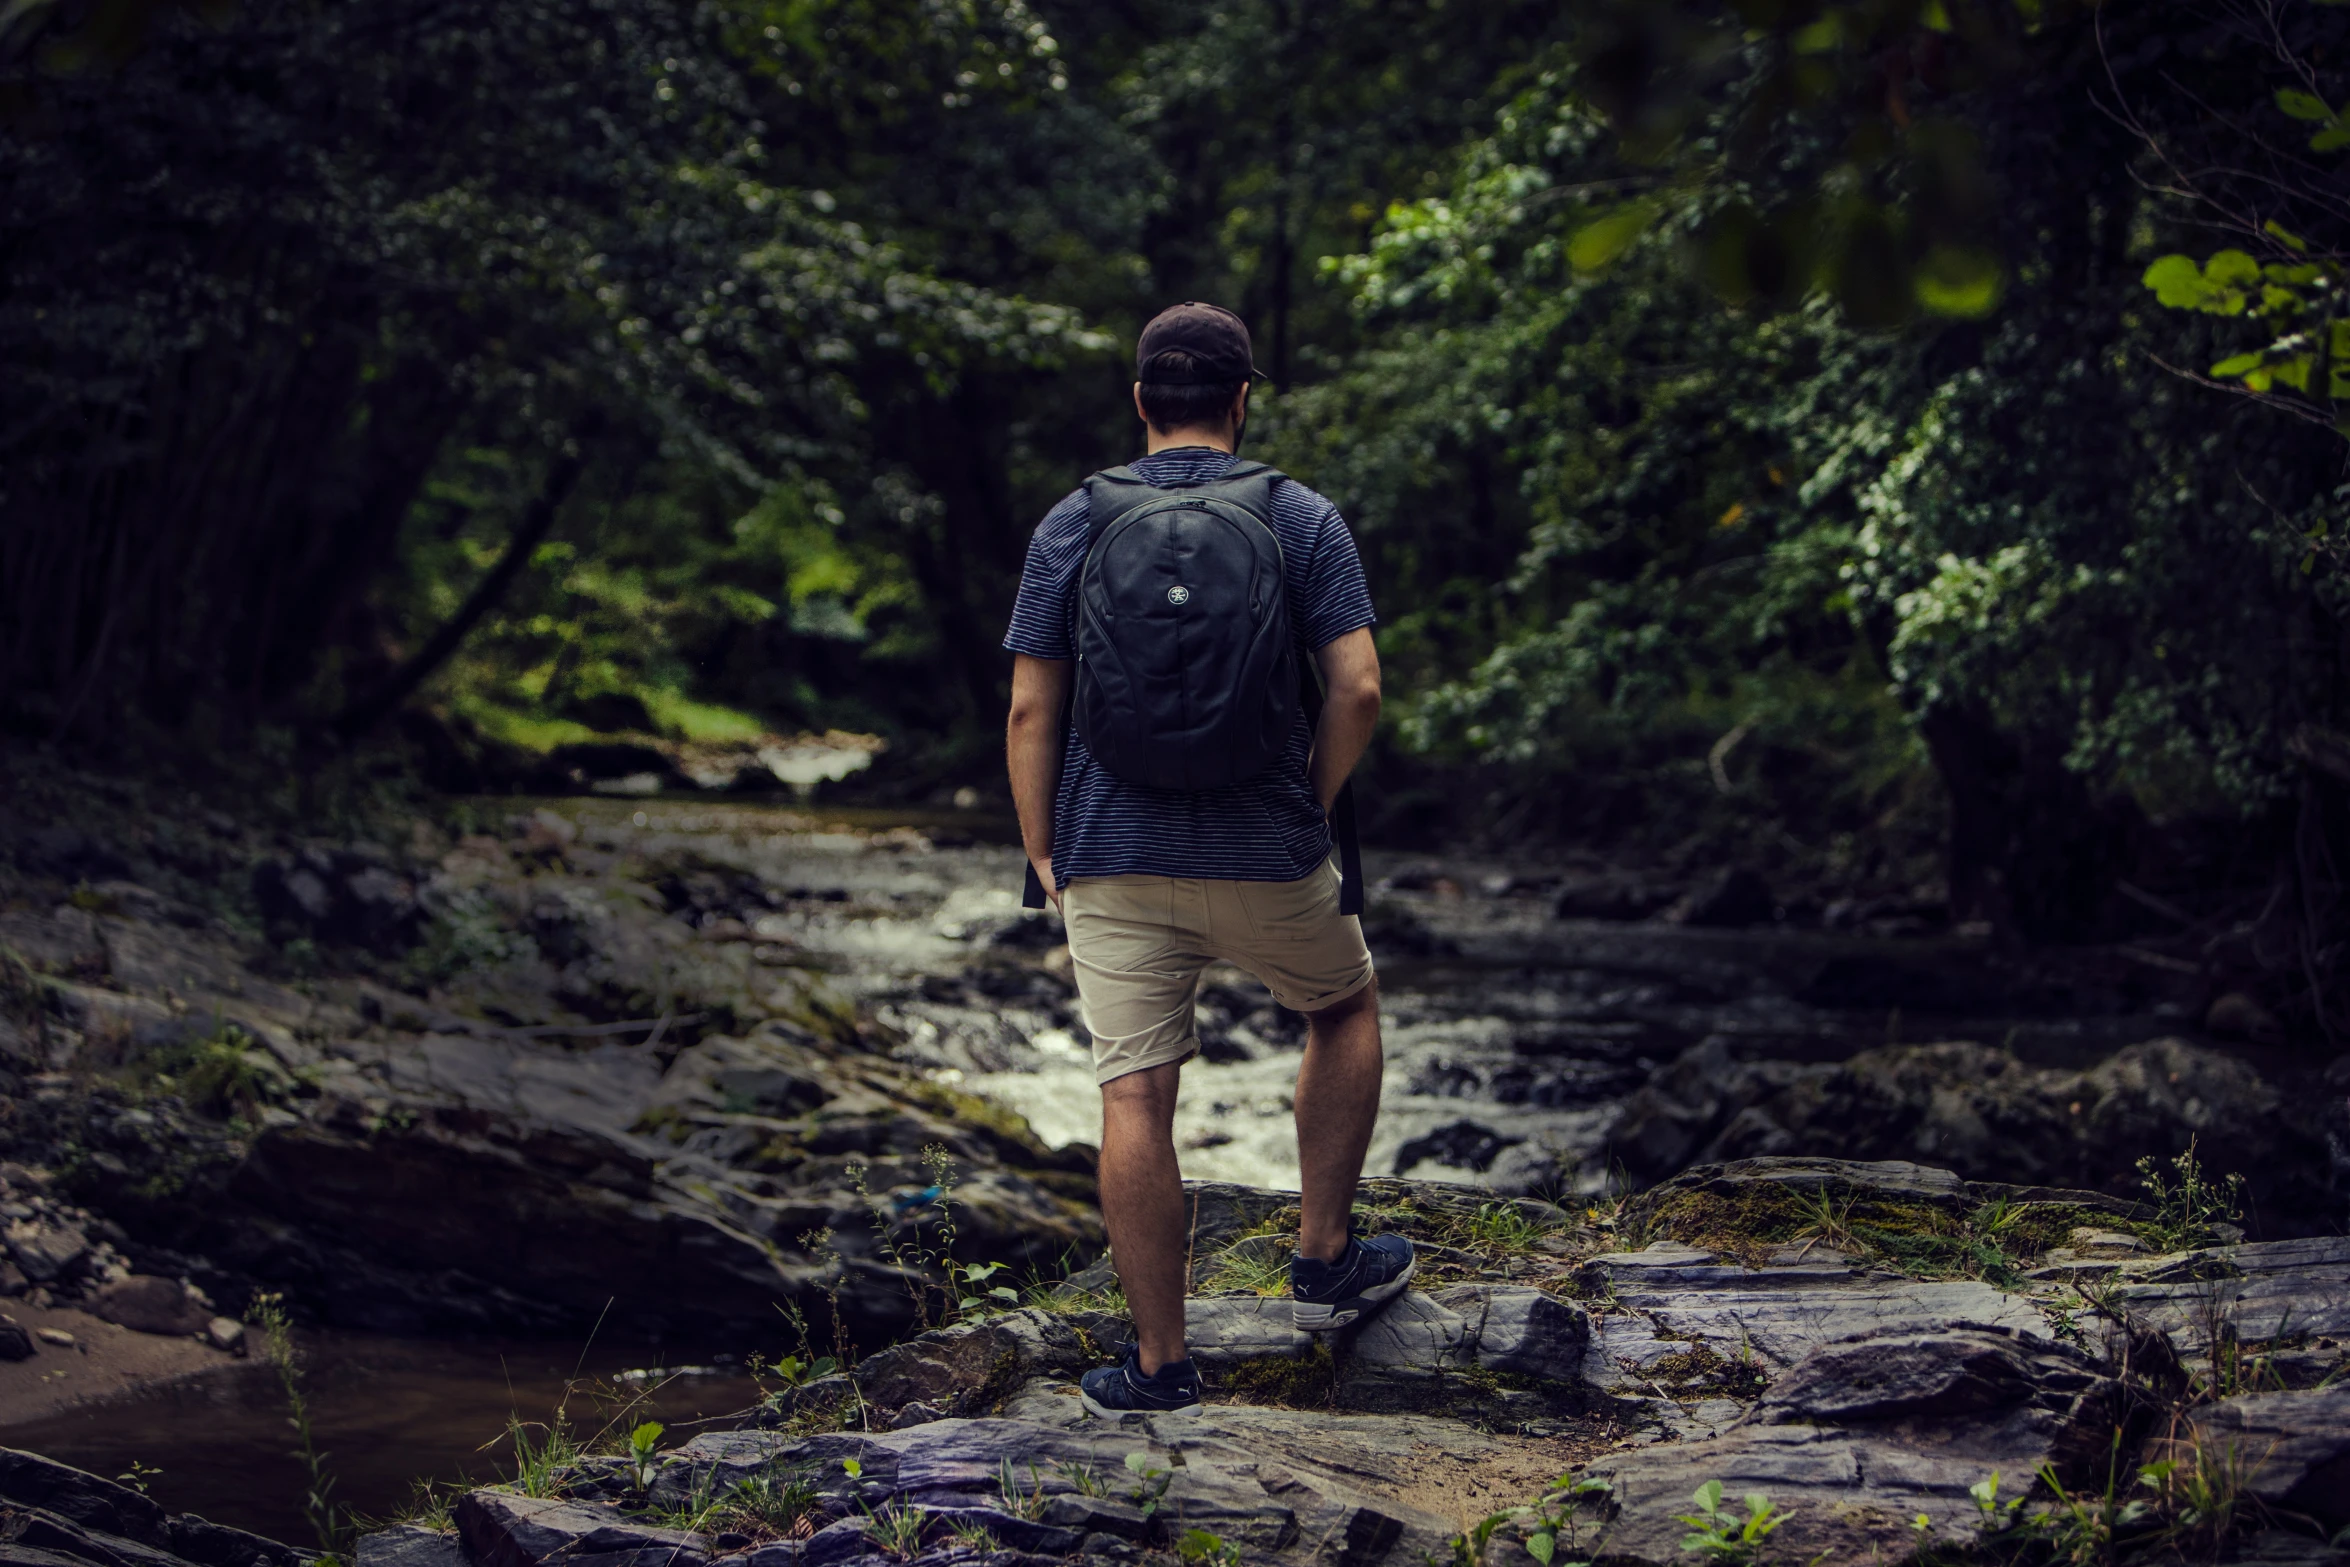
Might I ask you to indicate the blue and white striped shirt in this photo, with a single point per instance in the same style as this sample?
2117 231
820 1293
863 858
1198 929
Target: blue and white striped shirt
1269 828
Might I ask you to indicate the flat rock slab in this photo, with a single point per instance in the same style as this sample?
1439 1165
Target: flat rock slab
1285 1485
504 1529
2294 1448
410 1545
2260 1291
1771 1328
62 1515
1860 1438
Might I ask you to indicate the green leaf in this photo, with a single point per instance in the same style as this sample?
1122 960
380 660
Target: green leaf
2231 269
1709 1496
1139 1462
641 1440
852 1468
2302 105
2177 282
2332 139
2241 364
1541 1546
1602 240
2285 236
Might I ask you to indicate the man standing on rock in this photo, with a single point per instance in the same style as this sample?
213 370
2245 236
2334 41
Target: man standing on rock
1176 767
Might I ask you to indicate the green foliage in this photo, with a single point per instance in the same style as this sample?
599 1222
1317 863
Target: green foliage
765 1506
1555 1519
1021 1501
896 1529
1500 1229
333 1526
544 1455
901 1237
1150 1481
227 1074
1200 1548
1082 1479
643 1459
1257 1265
2187 1202
1549 1526
1728 1537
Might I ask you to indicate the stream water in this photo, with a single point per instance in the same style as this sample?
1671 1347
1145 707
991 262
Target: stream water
1508 1029
389 1413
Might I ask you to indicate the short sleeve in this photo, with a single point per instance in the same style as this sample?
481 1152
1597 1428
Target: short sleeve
1336 600
1040 614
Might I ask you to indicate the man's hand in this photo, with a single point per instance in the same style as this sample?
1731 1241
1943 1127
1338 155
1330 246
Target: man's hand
1044 878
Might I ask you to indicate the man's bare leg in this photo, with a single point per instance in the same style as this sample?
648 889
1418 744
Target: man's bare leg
1142 1204
1337 1105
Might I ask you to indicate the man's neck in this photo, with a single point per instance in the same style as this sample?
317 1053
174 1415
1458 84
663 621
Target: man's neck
1195 435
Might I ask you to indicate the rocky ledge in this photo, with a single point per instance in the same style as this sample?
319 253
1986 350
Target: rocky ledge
1903 1365
1890 1356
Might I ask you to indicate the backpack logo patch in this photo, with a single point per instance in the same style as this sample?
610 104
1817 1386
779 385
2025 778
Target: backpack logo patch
1179 594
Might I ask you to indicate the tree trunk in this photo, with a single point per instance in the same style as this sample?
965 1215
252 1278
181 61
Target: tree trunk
375 704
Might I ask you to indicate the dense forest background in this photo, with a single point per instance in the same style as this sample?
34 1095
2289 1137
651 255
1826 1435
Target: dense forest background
1842 437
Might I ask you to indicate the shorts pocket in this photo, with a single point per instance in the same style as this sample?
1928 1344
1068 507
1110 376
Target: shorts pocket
1293 911
1120 923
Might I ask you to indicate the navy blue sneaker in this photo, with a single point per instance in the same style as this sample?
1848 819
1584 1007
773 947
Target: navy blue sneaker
1332 1295
1123 1389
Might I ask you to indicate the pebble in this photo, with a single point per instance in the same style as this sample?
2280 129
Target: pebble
57 1336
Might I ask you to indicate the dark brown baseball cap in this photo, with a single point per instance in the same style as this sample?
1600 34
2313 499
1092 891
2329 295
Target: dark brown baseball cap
1215 338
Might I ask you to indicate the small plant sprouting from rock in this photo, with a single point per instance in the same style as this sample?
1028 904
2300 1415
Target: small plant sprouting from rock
2183 1506
1021 1501
897 1528
224 1074
968 1292
1258 1265
1499 1229
971 1536
643 1455
1199 1548
1151 1482
327 1521
779 1502
1726 1537
1551 1524
1082 1479
544 1456
137 1476
2188 1204
818 1243
1556 1516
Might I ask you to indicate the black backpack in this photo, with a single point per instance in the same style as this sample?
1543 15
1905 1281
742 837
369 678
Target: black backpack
1189 673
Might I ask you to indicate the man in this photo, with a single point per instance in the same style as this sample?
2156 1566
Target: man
1155 883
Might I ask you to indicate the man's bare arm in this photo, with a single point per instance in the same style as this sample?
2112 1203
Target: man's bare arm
1032 748
1350 710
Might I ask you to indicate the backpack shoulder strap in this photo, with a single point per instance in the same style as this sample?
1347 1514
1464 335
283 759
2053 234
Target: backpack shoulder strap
1112 493
1249 486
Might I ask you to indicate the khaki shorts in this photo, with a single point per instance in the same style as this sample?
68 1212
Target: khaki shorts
1140 944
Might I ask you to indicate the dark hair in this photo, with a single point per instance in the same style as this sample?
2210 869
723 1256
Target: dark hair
1183 407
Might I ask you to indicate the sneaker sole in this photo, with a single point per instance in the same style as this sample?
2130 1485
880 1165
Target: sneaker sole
1107 1413
1314 1317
